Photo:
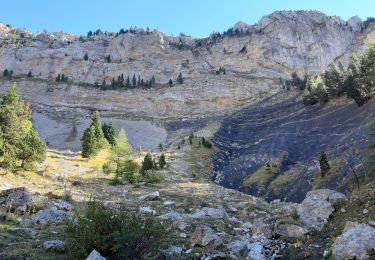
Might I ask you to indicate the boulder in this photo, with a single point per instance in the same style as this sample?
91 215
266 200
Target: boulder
355 241
289 230
95 255
316 208
150 196
259 228
54 245
17 200
206 237
48 216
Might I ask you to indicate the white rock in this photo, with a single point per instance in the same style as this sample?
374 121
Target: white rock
316 208
290 230
206 237
176 250
47 216
354 242
54 245
147 210
150 196
62 205
255 251
95 255
173 216
169 203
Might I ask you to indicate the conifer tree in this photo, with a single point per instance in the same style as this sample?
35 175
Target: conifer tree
127 84
109 133
89 143
18 139
134 81
122 149
180 79
147 163
162 161
323 162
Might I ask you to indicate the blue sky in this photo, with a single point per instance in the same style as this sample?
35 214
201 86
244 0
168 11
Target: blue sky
195 17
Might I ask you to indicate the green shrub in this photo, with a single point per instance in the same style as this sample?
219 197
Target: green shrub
153 177
129 171
206 143
109 168
115 234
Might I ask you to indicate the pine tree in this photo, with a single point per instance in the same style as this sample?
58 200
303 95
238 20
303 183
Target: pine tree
334 80
323 162
5 73
122 149
160 147
29 75
18 139
93 138
32 149
134 81
162 161
127 84
170 82
108 58
86 56
109 133
89 143
99 135
147 163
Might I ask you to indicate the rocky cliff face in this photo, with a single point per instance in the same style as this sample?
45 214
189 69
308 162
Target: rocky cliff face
254 57
303 41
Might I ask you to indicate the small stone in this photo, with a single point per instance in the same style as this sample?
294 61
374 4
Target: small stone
181 225
183 235
62 205
365 211
343 210
173 216
233 209
54 245
95 255
147 210
176 250
169 203
150 196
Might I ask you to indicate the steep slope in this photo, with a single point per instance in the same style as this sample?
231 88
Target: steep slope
272 148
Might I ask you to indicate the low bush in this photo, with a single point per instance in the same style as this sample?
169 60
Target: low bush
109 168
116 234
153 177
